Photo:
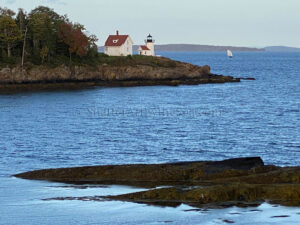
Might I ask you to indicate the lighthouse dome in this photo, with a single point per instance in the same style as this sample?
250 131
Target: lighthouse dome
149 38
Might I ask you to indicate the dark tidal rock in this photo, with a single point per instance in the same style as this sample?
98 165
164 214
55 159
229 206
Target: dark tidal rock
281 216
241 182
228 221
247 78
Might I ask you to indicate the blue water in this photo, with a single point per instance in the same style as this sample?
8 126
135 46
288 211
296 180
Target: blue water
147 125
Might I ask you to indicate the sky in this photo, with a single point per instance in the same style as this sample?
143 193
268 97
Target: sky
253 23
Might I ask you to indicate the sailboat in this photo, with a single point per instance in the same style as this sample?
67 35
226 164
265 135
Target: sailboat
229 53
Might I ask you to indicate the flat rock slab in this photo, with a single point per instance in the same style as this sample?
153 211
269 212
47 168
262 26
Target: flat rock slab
166 173
241 182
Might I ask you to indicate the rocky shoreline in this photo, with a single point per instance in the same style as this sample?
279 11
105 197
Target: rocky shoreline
164 72
240 182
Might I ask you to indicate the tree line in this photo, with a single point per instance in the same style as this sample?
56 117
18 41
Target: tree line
43 36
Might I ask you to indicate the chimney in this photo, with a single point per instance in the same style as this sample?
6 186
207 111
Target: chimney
117 32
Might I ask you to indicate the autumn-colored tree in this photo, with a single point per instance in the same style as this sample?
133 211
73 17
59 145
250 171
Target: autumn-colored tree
43 36
10 33
77 41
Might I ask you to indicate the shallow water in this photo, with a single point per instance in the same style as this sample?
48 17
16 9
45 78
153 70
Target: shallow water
150 125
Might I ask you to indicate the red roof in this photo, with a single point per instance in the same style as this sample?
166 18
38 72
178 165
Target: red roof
145 48
116 40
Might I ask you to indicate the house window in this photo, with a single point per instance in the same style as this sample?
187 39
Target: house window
115 41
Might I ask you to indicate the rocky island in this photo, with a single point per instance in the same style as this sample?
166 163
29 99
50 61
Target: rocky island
44 50
240 182
119 71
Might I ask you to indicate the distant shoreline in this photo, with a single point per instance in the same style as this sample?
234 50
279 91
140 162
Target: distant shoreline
202 48
213 48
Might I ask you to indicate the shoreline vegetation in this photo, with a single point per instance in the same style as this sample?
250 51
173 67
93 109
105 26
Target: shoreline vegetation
234 182
43 37
43 50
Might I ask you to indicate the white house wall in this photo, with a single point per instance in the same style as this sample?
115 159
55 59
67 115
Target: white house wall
113 51
144 52
127 47
124 50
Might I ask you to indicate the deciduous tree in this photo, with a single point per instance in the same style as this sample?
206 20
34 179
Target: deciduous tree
10 33
77 41
44 53
43 36
44 25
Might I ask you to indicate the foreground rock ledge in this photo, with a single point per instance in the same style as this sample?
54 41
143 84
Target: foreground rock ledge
241 182
148 71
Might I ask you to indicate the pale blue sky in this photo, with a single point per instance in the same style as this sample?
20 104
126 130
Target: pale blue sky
255 23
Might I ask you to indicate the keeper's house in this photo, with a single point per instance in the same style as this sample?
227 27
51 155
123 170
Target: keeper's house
118 45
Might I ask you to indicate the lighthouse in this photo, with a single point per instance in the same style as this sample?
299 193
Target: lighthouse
148 48
150 44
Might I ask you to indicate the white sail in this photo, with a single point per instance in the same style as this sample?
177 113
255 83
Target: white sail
229 53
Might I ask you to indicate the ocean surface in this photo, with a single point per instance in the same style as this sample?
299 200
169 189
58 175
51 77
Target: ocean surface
156 124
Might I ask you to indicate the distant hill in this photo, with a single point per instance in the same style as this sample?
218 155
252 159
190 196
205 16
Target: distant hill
196 48
213 48
200 48
281 49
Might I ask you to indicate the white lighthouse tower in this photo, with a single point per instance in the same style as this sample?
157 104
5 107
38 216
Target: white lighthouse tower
147 49
150 44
